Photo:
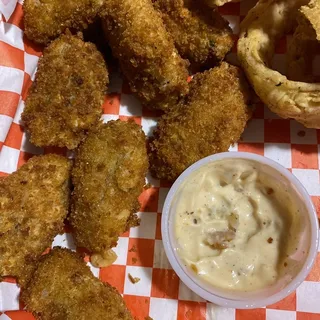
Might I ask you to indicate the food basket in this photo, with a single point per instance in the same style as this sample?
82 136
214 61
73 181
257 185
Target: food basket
159 294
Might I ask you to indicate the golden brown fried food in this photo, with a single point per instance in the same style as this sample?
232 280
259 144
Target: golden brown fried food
302 47
146 52
288 99
66 97
63 287
201 35
33 205
108 176
46 20
310 16
212 118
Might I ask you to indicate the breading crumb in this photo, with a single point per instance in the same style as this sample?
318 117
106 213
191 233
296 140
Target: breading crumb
134 280
133 249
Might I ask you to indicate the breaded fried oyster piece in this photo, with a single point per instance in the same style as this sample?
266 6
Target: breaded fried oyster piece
108 177
63 287
201 35
33 206
45 20
213 117
156 73
66 98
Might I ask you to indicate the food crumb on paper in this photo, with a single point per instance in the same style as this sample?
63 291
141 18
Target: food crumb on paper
301 133
133 249
134 280
188 314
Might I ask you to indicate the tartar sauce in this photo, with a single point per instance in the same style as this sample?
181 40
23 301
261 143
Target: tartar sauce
235 225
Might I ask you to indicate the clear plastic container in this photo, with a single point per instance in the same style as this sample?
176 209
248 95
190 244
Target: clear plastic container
288 282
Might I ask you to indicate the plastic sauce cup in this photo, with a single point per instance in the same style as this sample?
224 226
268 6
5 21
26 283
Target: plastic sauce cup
283 287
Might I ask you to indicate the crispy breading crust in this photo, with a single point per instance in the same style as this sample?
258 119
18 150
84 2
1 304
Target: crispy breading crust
66 97
288 99
33 206
46 20
108 177
201 35
63 287
146 52
212 118
310 16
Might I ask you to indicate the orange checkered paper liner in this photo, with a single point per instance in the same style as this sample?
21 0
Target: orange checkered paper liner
159 294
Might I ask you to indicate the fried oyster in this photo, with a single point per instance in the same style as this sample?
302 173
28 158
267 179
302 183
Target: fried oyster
66 98
156 73
108 177
33 206
201 35
46 20
63 287
212 118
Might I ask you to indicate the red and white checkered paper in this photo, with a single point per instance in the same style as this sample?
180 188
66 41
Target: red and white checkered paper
159 294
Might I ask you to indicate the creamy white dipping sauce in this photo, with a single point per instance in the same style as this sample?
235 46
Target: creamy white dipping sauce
235 225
